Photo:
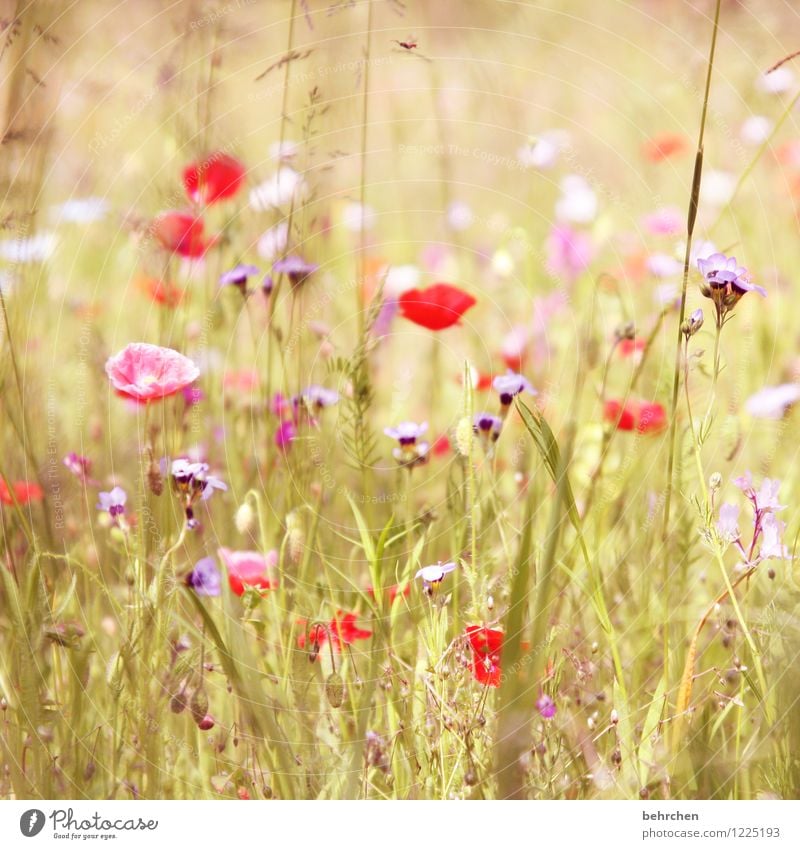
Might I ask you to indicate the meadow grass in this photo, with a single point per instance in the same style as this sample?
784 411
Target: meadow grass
619 618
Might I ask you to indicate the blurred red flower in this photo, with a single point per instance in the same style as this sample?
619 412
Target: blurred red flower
181 233
642 416
24 492
215 178
342 630
486 644
161 292
663 146
437 307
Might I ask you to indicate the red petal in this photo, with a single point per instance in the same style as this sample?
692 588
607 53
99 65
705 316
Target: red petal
181 233
652 418
437 307
215 178
623 417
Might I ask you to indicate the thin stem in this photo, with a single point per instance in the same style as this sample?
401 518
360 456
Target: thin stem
363 185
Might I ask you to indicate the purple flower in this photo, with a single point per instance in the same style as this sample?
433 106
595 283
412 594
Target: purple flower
267 284
509 385
192 395
295 268
546 707
238 276
487 426
318 396
771 532
725 281
771 402
113 502
194 480
728 523
205 577
406 433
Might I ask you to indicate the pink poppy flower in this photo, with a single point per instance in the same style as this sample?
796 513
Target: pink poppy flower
249 569
146 372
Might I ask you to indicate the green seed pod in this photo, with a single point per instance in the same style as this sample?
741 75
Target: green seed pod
334 690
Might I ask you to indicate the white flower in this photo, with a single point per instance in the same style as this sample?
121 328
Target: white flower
284 150
578 203
755 130
435 573
279 190
542 152
459 215
37 248
401 278
717 187
777 82
273 242
354 215
81 210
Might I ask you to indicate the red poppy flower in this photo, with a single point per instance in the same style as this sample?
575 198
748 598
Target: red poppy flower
642 416
24 492
441 445
631 347
161 292
181 233
437 307
342 630
215 178
664 145
249 569
486 644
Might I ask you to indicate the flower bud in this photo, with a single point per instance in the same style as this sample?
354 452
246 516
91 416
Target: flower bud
199 705
334 690
245 518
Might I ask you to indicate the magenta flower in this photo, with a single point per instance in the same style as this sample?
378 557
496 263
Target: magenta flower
285 434
772 402
249 569
80 466
569 252
147 372
546 707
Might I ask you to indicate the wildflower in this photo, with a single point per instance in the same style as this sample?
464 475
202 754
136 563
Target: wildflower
755 130
487 427
295 268
438 307
148 372
410 452
459 216
81 210
728 522
113 502
215 178
486 644
546 707
772 402
509 385
399 279
355 217
666 221
282 188
692 324
513 350
717 187
569 252
725 282
192 395
80 466
238 276
267 285
273 242
777 81
578 202
181 233
664 146
286 432
249 569
641 416
633 348
433 575
342 631
317 397
245 518
192 482
663 265
23 492
771 546
29 249
542 151
161 292
204 578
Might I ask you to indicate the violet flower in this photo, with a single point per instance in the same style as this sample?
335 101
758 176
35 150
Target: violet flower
113 502
205 578
295 268
509 385
546 707
725 282
238 277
